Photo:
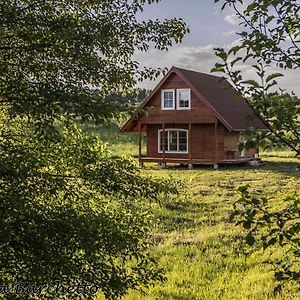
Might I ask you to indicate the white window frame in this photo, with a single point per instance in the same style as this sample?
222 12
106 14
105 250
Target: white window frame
163 102
178 102
167 130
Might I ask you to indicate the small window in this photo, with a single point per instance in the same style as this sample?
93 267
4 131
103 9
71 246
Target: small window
168 99
184 99
176 141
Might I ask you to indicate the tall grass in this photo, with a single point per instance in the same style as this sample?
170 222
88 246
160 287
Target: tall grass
201 251
119 143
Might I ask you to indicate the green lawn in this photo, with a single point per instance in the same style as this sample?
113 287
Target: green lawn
199 248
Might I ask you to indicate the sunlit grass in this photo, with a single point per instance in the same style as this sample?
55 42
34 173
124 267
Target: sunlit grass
278 153
201 251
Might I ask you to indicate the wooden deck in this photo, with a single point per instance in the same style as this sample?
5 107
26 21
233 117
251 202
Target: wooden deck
241 160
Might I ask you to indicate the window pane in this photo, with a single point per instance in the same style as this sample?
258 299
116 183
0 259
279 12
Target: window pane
168 95
184 103
184 95
168 99
182 147
168 103
173 138
161 141
184 98
183 135
182 141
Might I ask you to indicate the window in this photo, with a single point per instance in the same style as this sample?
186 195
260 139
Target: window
167 99
184 99
176 140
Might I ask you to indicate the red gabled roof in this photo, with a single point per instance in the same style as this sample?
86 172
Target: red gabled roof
234 112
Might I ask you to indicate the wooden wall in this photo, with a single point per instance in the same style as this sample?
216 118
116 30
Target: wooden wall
203 141
231 142
152 141
199 112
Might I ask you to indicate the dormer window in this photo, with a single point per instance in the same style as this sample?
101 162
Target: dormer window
183 99
168 99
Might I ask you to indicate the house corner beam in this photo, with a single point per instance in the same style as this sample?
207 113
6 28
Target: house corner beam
216 142
164 144
190 143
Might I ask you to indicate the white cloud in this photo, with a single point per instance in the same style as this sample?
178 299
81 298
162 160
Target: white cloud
203 59
232 19
229 33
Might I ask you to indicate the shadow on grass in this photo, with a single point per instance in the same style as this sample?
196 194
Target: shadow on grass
283 167
185 215
178 223
288 168
191 207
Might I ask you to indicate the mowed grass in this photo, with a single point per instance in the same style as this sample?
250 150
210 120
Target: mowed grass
201 250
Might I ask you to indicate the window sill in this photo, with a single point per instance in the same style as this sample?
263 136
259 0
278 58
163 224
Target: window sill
167 108
174 152
183 108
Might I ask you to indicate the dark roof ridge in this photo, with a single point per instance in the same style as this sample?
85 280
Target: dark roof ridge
197 72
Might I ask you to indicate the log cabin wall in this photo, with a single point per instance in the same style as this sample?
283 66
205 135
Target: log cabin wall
203 141
152 141
199 112
231 142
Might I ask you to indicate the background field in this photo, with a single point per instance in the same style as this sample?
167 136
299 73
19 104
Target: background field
200 249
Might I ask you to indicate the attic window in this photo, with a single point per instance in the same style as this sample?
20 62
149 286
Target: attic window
167 99
184 99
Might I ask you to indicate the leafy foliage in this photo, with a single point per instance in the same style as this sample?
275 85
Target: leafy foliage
65 55
267 227
70 212
128 102
271 37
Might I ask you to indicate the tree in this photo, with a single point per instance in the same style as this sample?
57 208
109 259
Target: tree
70 213
126 102
266 227
270 38
70 55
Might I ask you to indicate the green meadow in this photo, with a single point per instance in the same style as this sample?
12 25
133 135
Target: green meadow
200 249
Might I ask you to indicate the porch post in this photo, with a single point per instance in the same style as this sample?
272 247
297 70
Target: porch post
190 146
163 145
216 146
140 145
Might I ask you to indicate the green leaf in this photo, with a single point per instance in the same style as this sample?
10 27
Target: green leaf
251 82
250 239
273 76
247 224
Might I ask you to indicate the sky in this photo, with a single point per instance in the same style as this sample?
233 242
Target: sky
209 28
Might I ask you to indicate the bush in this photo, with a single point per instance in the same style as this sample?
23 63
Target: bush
71 214
267 226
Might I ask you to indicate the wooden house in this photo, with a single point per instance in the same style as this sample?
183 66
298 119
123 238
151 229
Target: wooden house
194 118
